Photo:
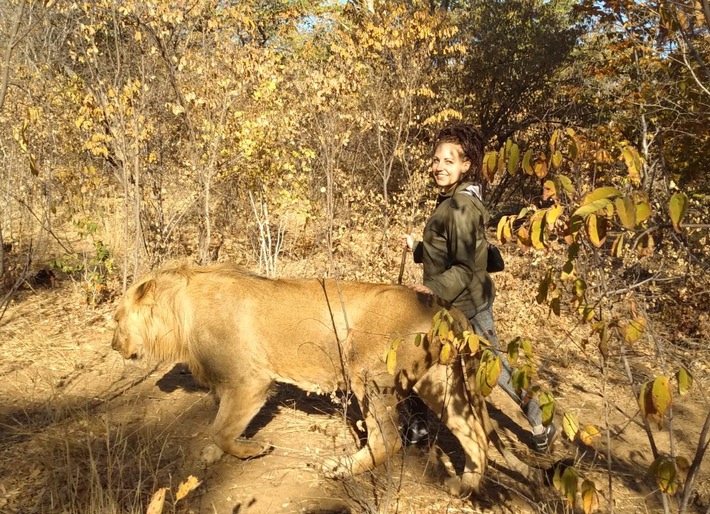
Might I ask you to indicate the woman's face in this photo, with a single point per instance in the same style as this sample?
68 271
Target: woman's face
448 167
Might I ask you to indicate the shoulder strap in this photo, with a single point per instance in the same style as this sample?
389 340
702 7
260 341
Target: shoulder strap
472 192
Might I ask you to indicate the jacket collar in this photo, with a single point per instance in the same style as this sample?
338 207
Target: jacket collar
459 187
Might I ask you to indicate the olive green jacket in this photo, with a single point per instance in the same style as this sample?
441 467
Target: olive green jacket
454 251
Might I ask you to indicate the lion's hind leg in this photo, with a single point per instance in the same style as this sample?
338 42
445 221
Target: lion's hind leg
442 389
383 436
237 407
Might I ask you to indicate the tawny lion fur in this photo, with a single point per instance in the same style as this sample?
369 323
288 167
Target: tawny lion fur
239 333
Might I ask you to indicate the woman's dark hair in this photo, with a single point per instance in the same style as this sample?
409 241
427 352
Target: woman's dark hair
471 140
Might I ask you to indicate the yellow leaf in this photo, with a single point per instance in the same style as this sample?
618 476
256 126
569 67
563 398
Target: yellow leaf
513 159
527 167
537 234
596 229
552 214
391 361
617 247
626 210
500 167
548 189
540 168
500 234
661 395
634 330
590 497
570 425
185 487
157 501
445 355
474 343
588 433
488 372
557 159
601 193
643 210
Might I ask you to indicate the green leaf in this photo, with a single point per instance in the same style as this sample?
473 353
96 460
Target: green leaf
678 205
568 484
418 340
667 476
602 193
514 351
642 400
566 184
580 287
685 381
547 406
591 207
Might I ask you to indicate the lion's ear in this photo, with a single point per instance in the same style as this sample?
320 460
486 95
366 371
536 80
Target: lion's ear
145 293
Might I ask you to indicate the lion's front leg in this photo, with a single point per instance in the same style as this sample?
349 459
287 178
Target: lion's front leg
442 389
383 437
237 408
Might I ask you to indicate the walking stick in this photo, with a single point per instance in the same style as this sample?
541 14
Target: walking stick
405 251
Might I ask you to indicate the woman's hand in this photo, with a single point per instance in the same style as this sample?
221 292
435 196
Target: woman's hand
408 242
421 288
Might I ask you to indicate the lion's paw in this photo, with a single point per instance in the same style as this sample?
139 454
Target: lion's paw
211 454
337 468
457 487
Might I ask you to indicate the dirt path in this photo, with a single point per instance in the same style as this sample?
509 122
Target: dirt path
81 431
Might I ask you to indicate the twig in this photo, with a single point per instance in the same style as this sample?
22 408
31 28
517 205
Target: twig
639 284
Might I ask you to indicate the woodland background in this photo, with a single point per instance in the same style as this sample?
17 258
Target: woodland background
293 137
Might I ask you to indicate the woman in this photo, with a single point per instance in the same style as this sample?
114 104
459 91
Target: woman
454 253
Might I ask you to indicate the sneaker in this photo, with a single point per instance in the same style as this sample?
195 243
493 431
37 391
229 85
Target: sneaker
416 433
543 442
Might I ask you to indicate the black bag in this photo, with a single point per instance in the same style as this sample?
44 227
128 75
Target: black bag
495 259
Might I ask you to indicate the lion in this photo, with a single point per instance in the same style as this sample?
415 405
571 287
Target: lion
239 333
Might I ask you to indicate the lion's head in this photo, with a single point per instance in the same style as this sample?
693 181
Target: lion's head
151 320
